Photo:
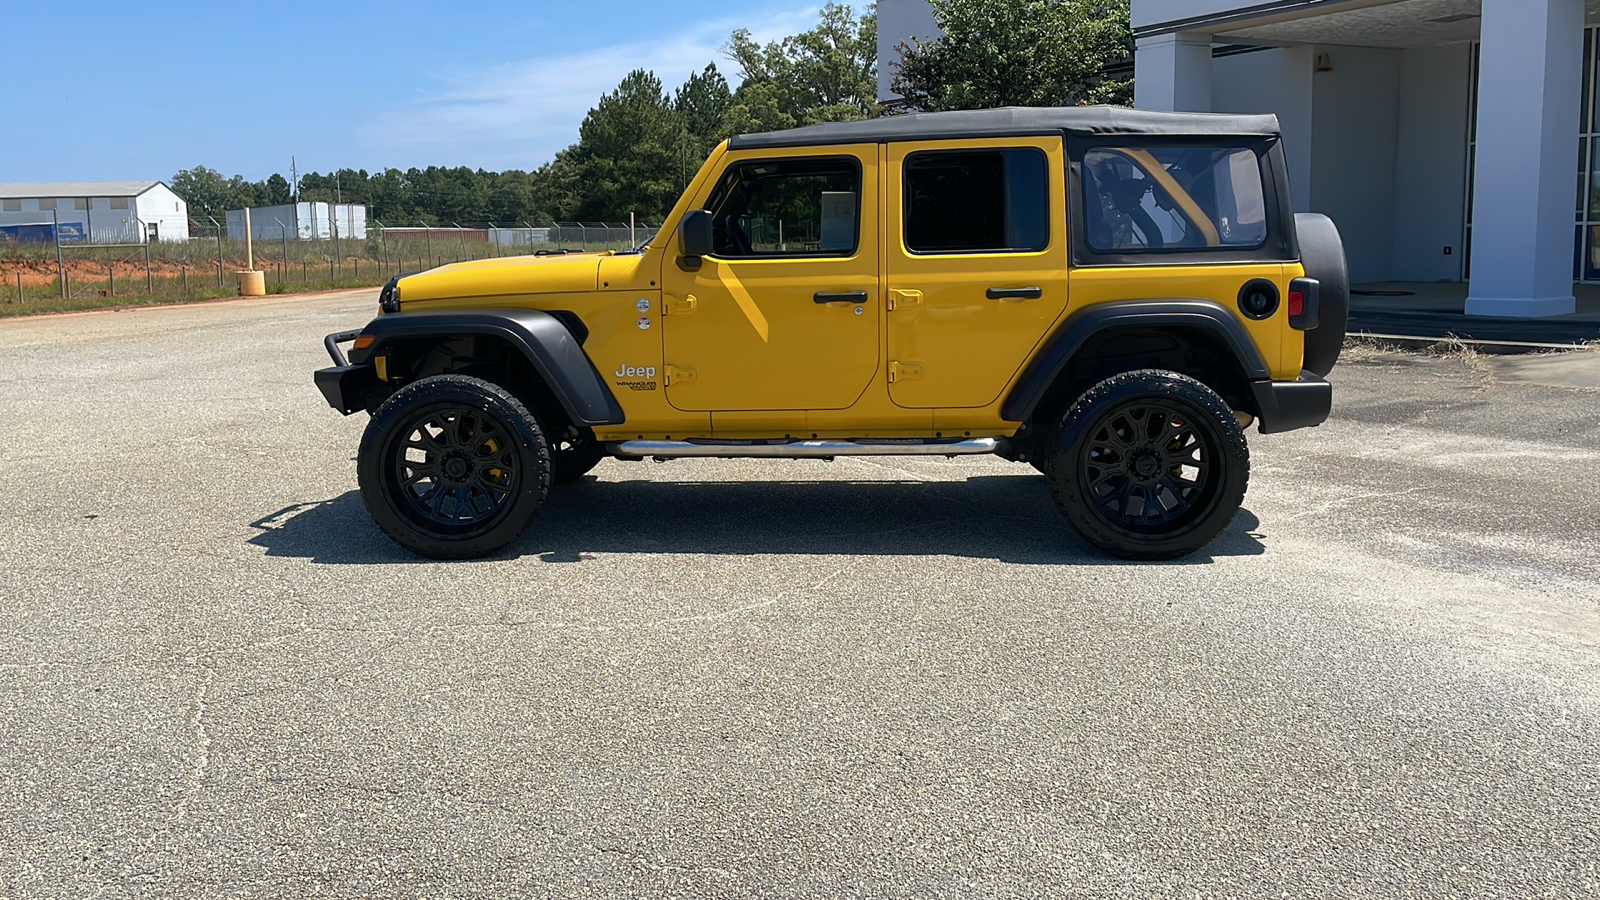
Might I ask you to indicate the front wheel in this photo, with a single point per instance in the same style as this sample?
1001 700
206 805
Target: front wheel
453 467
1149 465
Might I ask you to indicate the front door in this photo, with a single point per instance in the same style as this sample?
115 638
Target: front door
977 265
784 314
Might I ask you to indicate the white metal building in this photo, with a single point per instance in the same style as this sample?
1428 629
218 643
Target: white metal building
301 221
101 212
1443 136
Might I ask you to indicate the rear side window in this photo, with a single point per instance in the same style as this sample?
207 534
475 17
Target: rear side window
1149 199
977 201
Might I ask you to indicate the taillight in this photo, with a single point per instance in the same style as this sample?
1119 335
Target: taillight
1305 304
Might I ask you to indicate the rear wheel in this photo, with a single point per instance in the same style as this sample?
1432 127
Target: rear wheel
453 467
1149 465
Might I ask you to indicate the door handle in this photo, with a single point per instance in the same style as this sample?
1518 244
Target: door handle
840 297
1027 293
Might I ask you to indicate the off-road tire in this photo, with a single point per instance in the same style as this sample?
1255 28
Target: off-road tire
572 456
1134 437
467 437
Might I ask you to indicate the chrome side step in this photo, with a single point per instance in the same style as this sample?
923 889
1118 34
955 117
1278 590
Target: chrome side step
802 449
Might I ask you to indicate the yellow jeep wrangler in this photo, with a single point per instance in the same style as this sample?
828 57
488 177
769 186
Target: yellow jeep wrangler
1110 295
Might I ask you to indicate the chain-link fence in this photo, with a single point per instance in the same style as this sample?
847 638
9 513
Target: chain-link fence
207 263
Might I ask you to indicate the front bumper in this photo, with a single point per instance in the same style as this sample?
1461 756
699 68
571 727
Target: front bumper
1287 405
348 387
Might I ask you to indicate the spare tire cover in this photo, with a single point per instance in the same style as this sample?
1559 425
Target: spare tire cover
1322 254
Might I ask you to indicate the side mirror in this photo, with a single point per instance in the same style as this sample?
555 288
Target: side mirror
694 236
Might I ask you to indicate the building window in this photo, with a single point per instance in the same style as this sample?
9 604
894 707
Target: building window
792 207
80 203
1151 199
985 201
119 202
12 205
47 204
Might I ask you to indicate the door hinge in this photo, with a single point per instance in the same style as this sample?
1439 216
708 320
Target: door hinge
679 306
676 375
904 299
899 371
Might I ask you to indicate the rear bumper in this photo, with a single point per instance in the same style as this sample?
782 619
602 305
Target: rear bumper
1287 405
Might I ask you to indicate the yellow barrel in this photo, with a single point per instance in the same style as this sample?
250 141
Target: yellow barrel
252 283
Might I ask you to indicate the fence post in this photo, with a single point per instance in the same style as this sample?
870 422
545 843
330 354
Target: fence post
462 234
219 250
284 233
19 287
66 285
111 277
149 286
383 242
185 273
61 266
428 234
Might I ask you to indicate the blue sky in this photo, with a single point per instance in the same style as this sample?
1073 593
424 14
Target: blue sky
102 90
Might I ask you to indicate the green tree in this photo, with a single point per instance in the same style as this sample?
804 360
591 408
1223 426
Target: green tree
827 74
627 152
205 190
1017 53
278 189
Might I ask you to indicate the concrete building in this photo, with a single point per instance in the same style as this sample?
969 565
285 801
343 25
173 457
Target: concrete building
301 221
1443 136
100 212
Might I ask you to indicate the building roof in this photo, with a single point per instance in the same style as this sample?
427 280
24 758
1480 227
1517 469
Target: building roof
1011 122
76 189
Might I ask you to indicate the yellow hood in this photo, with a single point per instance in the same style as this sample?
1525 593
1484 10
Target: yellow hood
504 277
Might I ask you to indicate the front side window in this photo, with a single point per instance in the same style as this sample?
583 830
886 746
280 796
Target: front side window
977 201
790 207
1142 199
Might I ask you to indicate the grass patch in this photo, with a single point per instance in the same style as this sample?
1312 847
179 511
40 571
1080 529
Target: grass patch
164 294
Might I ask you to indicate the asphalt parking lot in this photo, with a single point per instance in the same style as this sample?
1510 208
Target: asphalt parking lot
706 678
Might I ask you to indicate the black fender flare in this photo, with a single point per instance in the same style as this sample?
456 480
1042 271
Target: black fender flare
1075 331
549 345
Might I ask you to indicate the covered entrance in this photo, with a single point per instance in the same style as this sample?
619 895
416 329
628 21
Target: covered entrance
1444 137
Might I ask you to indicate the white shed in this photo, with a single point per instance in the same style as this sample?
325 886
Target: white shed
100 212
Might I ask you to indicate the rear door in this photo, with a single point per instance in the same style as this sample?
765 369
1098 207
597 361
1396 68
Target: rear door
976 264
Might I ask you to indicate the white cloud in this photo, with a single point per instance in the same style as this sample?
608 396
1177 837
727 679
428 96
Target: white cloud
518 114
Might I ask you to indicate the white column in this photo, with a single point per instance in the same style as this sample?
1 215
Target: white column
1173 72
1522 200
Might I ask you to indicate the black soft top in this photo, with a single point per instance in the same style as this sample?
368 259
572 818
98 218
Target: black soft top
1010 122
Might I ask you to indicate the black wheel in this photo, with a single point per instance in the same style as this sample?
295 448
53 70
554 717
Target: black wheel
453 467
1149 465
573 454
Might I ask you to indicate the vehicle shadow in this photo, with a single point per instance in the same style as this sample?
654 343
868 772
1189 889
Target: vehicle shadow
1006 518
